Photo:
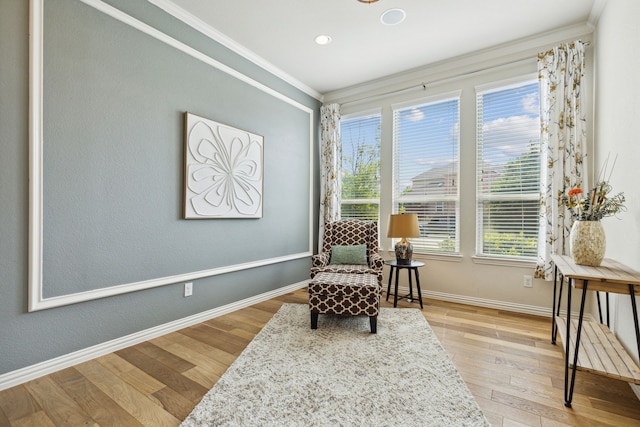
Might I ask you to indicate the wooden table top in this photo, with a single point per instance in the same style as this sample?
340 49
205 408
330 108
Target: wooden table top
610 276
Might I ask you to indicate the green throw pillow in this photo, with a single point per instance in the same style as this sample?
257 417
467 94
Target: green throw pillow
349 255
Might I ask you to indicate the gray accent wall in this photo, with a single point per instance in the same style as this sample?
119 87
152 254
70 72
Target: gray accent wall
113 153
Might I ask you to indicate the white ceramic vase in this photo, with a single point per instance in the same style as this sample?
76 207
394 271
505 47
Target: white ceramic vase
588 243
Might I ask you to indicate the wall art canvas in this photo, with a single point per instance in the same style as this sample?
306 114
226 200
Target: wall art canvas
223 170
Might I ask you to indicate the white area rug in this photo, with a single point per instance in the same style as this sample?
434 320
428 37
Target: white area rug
340 374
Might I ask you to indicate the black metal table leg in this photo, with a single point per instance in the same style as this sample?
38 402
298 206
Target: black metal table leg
389 285
607 300
395 293
569 396
553 310
410 296
599 307
566 346
554 332
418 286
635 315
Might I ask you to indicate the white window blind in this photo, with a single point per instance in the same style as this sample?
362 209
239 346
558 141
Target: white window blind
426 147
508 170
360 166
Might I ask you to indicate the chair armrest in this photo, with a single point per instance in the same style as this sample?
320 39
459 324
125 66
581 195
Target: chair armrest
320 260
376 262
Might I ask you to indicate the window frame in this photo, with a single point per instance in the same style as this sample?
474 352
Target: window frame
482 196
358 201
418 243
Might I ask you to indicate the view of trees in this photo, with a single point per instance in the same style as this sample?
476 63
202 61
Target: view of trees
360 174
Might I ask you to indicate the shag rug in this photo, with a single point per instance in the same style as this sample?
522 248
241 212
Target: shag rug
340 375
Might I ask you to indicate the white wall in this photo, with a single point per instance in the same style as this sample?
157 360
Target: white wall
617 132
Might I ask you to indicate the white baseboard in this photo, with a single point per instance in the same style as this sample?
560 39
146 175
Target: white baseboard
495 304
20 376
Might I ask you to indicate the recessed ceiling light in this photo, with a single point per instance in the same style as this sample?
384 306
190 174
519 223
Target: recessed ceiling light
393 16
323 39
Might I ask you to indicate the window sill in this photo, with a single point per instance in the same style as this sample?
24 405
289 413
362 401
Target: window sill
506 262
432 256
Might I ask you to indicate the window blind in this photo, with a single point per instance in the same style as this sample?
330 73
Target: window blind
426 146
360 137
508 170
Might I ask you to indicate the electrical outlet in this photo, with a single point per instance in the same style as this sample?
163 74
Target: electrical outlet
188 289
528 281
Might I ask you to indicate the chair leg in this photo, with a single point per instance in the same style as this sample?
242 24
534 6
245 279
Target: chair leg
373 322
314 319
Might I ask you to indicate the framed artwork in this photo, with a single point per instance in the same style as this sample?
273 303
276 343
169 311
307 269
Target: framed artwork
224 170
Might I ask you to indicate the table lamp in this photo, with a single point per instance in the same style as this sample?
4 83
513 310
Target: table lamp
403 226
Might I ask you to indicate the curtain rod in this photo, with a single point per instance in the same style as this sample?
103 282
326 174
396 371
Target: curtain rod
424 85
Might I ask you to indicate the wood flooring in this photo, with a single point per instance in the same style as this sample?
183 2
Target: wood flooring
514 372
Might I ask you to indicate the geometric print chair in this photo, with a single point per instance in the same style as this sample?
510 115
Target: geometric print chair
349 232
346 278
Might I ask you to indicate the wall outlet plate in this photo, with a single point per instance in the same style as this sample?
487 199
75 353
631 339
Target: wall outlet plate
188 289
528 281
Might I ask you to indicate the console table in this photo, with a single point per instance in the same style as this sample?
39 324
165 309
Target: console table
591 346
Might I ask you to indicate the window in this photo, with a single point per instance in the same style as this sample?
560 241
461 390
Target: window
360 166
508 170
426 145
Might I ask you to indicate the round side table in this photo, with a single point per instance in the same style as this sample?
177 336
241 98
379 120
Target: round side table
413 267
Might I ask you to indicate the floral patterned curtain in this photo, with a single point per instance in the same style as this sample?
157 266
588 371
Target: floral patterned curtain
563 145
330 166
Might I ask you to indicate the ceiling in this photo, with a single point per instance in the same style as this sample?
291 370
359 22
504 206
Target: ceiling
279 34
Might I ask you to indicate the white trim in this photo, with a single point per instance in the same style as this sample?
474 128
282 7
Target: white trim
495 304
20 376
363 114
36 143
36 45
427 100
504 261
510 83
206 29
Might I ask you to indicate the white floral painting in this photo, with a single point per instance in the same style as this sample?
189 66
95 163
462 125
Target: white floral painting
224 170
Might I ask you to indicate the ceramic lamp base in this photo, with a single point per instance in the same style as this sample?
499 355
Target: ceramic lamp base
404 252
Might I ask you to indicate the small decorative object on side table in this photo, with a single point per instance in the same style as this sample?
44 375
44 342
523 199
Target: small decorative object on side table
412 266
588 241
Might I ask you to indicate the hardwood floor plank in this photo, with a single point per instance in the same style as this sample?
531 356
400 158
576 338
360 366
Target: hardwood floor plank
198 360
202 376
92 400
18 403
130 399
508 412
130 373
173 361
36 419
59 406
216 338
4 420
174 403
163 373
220 356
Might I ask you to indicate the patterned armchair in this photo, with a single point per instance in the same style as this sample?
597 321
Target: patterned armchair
348 233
